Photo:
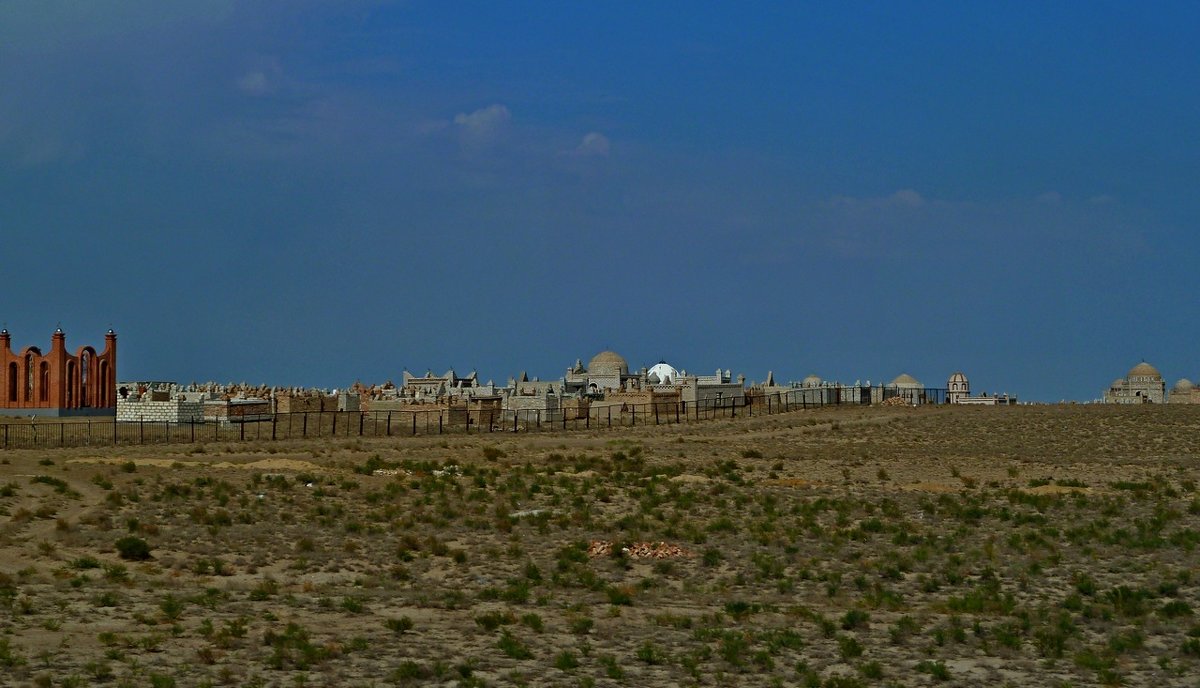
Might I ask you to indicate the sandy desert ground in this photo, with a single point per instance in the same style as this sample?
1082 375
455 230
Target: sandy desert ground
1023 546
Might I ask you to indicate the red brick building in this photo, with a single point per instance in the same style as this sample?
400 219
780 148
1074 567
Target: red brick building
57 383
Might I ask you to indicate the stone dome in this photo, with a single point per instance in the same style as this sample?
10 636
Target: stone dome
812 381
1144 369
958 377
608 361
1184 385
905 380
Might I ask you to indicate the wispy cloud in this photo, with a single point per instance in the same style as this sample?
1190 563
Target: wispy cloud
904 198
482 126
255 83
263 78
594 144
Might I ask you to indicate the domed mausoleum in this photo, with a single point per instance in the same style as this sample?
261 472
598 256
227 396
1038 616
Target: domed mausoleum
1143 384
1184 392
606 370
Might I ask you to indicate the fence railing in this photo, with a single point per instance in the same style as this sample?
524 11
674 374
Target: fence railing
436 421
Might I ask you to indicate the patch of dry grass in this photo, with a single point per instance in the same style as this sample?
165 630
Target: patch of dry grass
840 547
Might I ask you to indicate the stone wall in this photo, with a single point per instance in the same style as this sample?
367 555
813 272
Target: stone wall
289 403
159 411
237 410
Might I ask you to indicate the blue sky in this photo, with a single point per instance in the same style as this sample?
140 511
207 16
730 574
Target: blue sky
310 192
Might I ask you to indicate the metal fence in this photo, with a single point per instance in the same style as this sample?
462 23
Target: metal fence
437 421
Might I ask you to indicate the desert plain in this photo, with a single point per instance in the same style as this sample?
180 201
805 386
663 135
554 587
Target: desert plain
842 547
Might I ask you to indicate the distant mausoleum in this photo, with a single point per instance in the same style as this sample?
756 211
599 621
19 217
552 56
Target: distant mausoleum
1184 392
1142 385
958 391
58 383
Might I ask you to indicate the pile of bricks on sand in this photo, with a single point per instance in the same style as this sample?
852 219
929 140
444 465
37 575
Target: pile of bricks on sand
895 401
638 550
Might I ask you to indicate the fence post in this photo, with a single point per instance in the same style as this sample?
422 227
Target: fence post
537 418
242 429
360 424
414 421
333 433
141 431
273 417
389 424
304 426
633 415
439 422
60 434
192 421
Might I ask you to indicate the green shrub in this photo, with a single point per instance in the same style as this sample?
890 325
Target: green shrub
855 618
399 625
849 647
513 647
582 625
937 670
566 661
619 595
1175 609
133 548
492 620
649 654
9 658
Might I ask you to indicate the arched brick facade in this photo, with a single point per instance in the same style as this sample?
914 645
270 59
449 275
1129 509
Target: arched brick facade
58 381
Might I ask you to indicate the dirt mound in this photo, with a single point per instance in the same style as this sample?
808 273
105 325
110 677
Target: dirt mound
638 550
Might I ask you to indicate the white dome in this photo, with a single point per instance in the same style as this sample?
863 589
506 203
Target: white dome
665 373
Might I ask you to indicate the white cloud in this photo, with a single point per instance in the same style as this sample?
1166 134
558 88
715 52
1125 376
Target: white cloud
254 83
483 125
263 78
594 144
907 197
904 198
